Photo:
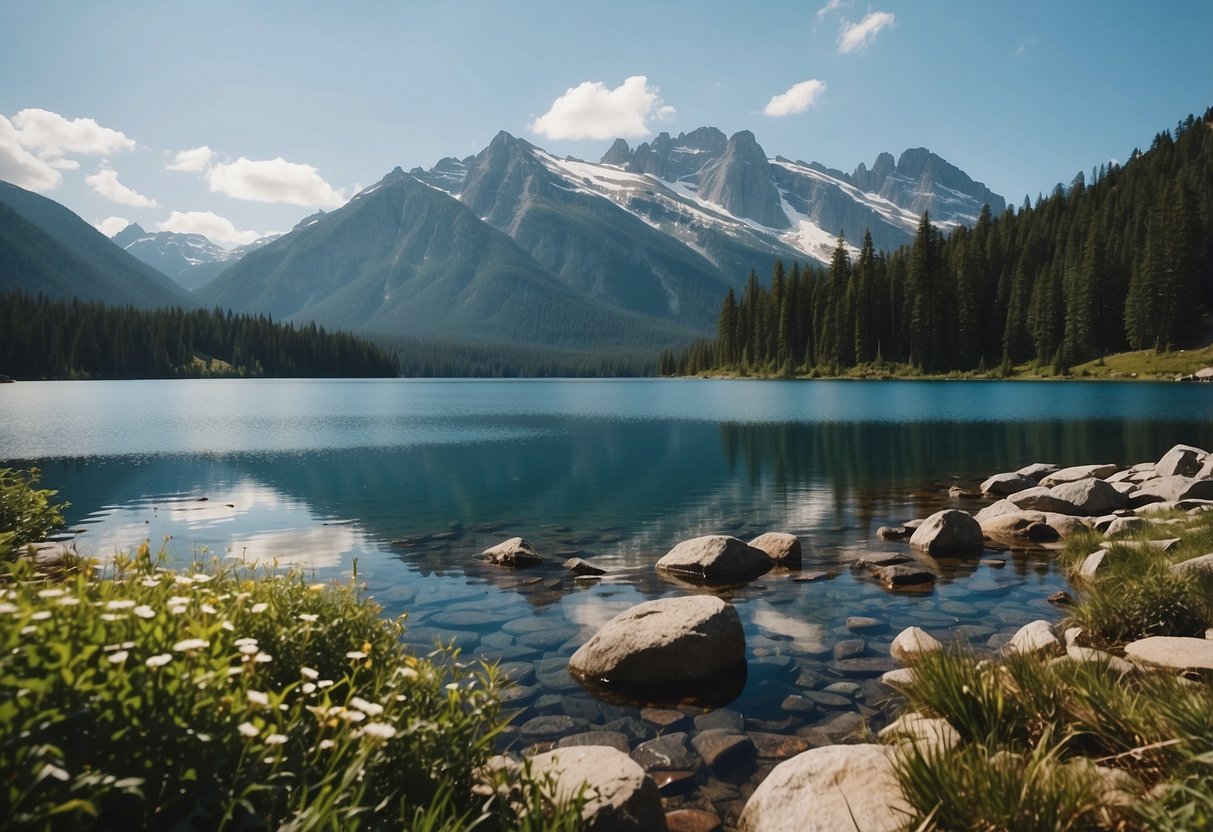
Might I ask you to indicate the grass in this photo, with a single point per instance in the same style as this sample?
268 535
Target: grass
227 697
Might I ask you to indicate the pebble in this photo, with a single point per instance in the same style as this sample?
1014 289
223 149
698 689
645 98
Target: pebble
692 820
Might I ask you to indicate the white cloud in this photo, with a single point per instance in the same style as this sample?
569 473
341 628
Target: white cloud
274 180
219 229
105 182
591 110
51 136
855 36
112 225
797 99
22 168
832 6
193 160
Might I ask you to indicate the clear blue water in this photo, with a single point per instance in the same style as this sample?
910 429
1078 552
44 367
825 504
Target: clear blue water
319 473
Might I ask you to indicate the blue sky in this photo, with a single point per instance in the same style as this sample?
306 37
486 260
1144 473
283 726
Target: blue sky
301 103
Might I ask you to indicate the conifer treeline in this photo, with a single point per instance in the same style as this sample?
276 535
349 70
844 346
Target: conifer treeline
55 339
1125 262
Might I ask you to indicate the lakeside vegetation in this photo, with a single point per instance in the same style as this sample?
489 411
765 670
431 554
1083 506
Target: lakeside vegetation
1122 262
41 338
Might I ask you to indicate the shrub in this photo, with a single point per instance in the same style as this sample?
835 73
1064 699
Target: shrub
225 697
26 513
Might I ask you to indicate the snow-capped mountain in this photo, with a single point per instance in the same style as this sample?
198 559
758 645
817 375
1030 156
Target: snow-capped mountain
192 260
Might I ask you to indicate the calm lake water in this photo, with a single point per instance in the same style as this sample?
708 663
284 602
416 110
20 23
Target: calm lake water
319 473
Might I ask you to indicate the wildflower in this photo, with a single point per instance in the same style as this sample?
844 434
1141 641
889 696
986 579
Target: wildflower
317 587
202 578
324 683
248 649
227 625
188 644
120 656
49 770
368 708
263 658
355 654
308 673
178 609
326 744
109 616
69 601
178 599
260 606
257 697
6 607
40 615
245 640
453 686
309 687
247 729
159 660
150 582
276 739
308 617
379 729
208 609
29 631
144 611
53 592
181 579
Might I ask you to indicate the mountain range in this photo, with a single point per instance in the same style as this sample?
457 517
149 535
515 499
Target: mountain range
517 246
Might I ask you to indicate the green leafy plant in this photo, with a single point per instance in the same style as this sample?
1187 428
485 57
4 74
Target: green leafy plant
26 513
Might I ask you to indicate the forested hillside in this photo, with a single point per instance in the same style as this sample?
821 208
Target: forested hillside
45 339
1122 260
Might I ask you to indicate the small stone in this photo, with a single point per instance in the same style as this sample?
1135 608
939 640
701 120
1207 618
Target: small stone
810 577
898 678
912 643
1035 637
692 820
778 746
514 553
864 624
849 648
928 734
884 559
723 752
664 718
619 797
1091 566
671 783
798 704
667 752
550 728
780 547
608 738
948 531
578 566
1060 597
893 532
721 719
902 575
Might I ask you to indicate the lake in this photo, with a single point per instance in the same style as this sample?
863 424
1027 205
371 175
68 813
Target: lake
411 479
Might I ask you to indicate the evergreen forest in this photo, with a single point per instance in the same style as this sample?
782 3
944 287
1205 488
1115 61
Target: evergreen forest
1120 260
41 338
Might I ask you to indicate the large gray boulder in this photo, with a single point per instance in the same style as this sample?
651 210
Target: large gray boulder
950 530
1090 497
996 508
912 643
1019 525
1038 470
619 796
1194 566
515 552
1041 498
1004 484
715 559
826 789
1172 652
1035 637
781 547
1182 460
1172 490
663 642
1078 472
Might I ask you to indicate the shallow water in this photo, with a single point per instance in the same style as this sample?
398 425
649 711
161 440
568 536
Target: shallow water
326 474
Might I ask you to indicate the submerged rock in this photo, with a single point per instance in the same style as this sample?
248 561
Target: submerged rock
902 575
715 559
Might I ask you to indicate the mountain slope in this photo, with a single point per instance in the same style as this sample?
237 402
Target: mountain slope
191 260
45 248
407 259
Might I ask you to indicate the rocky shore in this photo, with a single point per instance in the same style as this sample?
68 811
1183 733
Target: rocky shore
711 768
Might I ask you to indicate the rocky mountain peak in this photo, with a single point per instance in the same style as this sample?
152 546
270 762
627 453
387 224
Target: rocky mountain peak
619 154
740 181
129 234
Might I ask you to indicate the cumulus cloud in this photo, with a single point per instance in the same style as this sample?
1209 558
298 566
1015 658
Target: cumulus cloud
855 36
51 136
105 182
193 160
832 6
797 99
220 229
112 225
274 180
22 168
591 110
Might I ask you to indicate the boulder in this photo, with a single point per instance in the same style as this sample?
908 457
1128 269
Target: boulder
1090 496
900 677
619 795
912 643
780 547
893 532
929 735
1172 490
950 530
1183 460
1093 563
722 751
901 575
669 752
1019 525
692 820
579 566
515 552
1041 499
1196 565
1038 470
1172 652
715 559
1078 472
1004 484
1065 524
995 509
667 641
1124 525
827 789
1035 637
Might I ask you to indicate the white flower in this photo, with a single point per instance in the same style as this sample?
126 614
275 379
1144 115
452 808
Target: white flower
325 744
124 604
229 626
317 587
6 607
309 687
324 683
263 658
247 729
208 609
49 770
178 609
276 739
352 716
159 660
202 578
308 617
355 654
177 600
29 631
368 708
257 697
249 649
181 579
308 673
144 611
53 592
149 582
190 644
379 729
40 615
69 601
120 656
245 640
452 686
109 616
260 606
